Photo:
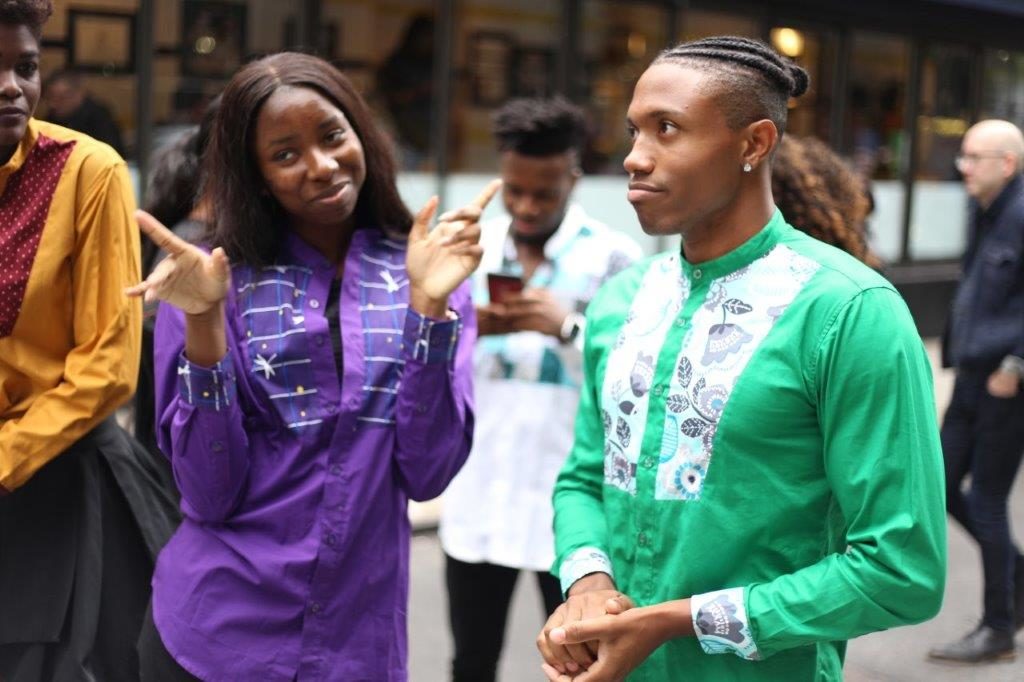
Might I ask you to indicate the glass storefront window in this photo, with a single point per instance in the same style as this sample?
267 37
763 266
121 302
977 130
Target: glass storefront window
701 24
815 51
873 133
874 137
1003 92
503 49
387 49
199 46
938 210
619 41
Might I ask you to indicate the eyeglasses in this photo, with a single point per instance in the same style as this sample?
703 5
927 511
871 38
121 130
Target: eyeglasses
965 160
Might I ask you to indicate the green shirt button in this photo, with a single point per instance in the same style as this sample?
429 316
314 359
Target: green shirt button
680 322
641 539
697 274
648 462
659 389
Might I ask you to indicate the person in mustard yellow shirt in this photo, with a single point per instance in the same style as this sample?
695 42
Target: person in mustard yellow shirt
81 514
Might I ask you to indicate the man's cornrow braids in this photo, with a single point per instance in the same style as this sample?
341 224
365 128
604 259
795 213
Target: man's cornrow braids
790 79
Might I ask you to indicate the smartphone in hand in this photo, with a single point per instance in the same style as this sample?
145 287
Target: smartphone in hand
502 287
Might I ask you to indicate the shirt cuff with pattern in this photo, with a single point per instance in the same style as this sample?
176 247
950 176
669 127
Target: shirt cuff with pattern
720 622
582 562
207 387
430 340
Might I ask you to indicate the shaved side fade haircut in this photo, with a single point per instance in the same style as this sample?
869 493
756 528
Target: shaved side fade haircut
752 80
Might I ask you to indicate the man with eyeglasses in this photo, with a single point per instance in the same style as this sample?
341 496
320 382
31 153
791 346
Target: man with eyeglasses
983 430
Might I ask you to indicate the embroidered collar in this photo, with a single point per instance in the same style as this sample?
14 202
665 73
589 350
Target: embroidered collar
740 257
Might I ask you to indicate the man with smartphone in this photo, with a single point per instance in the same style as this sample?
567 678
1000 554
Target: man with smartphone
542 265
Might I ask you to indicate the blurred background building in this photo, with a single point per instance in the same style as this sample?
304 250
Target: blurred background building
895 85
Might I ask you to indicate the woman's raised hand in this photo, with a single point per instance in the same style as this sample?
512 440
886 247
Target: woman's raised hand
439 260
188 278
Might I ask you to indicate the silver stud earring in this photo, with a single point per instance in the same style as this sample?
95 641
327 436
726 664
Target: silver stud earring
747 167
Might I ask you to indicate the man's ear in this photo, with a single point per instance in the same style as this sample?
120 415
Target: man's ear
577 173
1011 165
761 138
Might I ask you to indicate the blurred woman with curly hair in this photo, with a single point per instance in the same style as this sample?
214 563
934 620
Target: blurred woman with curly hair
820 195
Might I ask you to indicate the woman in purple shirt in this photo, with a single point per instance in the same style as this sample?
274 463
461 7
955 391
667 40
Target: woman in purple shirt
312 375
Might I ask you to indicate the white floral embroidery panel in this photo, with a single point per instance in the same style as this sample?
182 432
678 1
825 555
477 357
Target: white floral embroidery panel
629 374
739 312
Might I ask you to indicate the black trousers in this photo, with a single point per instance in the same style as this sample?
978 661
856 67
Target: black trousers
77 546
478 599
983 436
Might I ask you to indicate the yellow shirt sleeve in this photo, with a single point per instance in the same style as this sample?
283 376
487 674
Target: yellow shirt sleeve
101 370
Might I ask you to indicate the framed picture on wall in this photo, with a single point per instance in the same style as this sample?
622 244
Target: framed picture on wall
213 38
327 39
533 72
101 41
490 67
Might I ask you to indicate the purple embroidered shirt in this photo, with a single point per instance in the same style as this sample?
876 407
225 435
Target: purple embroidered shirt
293 556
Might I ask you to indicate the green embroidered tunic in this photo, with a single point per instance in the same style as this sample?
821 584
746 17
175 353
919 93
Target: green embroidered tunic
757 432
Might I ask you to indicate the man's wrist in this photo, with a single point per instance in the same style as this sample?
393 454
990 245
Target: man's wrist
590 583
670 619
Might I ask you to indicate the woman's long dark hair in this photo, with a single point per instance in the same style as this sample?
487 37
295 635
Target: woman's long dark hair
248 223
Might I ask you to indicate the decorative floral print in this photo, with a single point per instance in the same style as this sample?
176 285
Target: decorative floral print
721 625
642 375
626 392
727 329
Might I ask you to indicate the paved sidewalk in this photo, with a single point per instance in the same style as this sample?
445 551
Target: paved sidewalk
894 656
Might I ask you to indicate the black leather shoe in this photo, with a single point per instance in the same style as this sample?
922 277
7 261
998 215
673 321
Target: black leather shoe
980 646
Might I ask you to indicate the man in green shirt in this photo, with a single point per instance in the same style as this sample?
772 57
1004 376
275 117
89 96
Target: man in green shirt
756 469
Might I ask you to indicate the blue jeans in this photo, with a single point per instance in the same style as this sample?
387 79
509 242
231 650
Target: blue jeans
983 436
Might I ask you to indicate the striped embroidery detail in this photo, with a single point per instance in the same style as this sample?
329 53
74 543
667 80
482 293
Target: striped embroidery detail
387 264
210 388
272 303
383 304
